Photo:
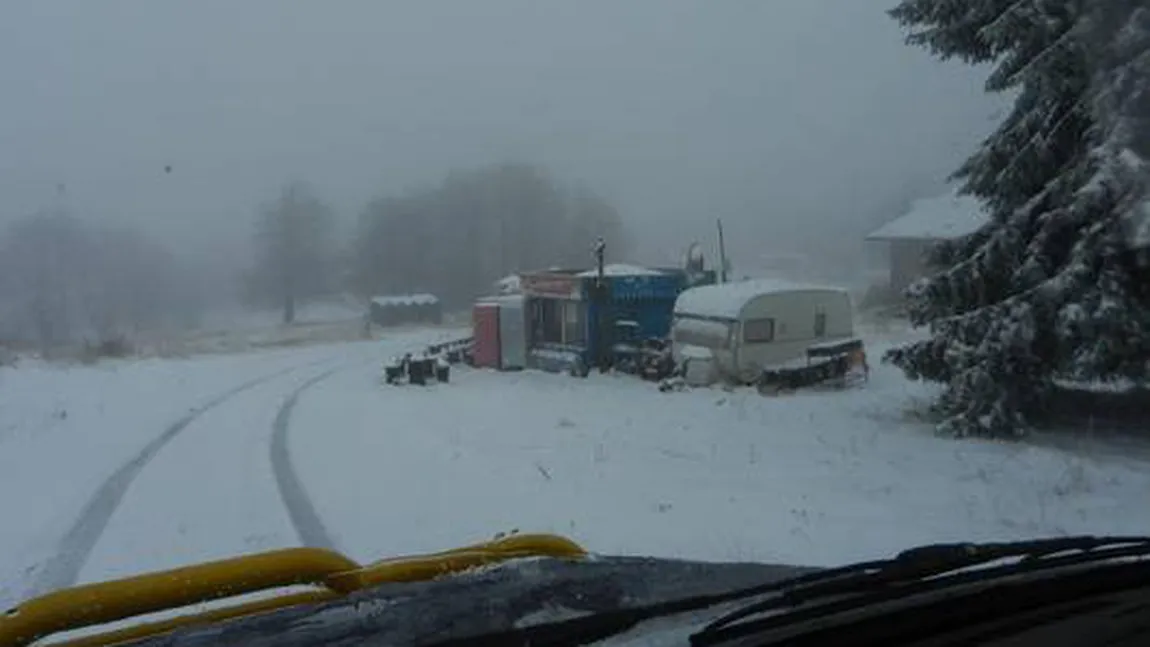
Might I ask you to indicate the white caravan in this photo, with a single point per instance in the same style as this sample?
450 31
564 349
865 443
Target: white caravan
732 331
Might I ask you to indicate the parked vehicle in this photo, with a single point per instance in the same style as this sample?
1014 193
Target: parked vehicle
751 326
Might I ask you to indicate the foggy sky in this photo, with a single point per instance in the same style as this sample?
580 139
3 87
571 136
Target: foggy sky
787 118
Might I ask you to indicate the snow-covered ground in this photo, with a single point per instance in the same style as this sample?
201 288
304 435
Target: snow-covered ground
812 478
67 431
230 330
244 329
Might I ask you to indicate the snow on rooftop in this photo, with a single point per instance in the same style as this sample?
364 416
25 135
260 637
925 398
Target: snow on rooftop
726 300
422 299
501 300
620 269
510 284
940 218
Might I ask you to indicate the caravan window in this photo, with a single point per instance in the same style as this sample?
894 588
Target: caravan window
757 331
702 332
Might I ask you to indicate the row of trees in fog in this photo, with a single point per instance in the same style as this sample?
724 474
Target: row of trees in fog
64 279
456 238
452 239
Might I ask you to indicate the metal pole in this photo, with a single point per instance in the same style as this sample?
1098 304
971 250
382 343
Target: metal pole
722 254
602 318
600 250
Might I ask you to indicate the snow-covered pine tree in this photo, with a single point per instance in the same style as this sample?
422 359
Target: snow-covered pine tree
1112 330
1049 289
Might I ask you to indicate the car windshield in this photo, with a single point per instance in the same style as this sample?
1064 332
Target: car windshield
798 282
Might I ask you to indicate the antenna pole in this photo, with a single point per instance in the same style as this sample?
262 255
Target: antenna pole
600 252
722 253
602 309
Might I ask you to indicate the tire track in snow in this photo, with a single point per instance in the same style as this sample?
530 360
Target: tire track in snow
300 508
306 521
74 549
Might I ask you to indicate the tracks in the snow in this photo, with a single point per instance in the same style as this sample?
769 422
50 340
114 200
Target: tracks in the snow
303 516
76 546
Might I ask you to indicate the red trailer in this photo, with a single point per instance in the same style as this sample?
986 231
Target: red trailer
485 351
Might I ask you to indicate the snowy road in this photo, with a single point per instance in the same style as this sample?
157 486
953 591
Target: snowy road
210 494
75 547
213 480
300 509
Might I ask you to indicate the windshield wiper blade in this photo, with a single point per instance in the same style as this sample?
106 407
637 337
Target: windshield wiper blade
914 565
919 564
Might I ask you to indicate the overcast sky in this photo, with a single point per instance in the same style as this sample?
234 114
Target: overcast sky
787 118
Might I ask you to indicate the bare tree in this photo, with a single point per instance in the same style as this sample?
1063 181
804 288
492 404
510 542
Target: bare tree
140 283
62 280
293 249
48 263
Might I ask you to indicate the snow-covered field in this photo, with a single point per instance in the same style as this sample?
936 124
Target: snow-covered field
244 330
814 478
241 329
130 466
67 432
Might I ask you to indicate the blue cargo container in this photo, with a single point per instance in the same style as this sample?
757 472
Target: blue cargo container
569 329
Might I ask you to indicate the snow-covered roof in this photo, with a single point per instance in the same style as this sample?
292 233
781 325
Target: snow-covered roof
509 284
943 217
726 300
620 269
421 299
501 300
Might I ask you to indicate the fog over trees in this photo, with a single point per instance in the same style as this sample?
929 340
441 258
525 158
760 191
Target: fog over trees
65 280
511 132
478 225
62 279
293 254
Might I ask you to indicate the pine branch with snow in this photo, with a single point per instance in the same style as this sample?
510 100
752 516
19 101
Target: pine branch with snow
1053 287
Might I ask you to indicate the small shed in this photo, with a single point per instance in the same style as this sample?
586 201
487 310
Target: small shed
396 310
926 223
747 326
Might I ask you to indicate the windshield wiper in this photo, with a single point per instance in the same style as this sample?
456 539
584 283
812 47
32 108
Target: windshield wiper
927 566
